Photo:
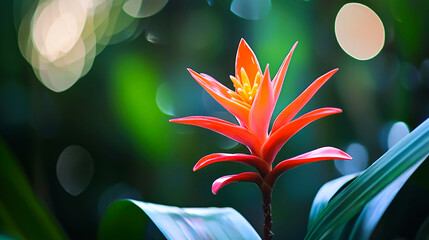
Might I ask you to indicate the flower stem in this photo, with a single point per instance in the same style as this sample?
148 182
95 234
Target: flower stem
266 205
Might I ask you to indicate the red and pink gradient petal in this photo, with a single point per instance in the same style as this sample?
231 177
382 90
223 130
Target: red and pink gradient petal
241 177
276 140
321 154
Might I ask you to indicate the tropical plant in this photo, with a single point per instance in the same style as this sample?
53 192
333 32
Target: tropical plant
252 103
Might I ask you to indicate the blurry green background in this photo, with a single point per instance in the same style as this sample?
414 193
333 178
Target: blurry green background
114 121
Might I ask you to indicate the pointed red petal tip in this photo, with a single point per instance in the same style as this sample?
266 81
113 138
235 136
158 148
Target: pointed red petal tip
174 120
348 157
242 177
345 156
192 72
243 43
219 183
246 59
206 160
323 153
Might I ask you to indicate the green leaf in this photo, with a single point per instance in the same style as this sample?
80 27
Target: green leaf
384 171
363 226
325 194
22 216
126 219
374 210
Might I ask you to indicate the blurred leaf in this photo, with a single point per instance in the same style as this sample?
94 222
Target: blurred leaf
325 194
384 171
123 220
134 86
21 214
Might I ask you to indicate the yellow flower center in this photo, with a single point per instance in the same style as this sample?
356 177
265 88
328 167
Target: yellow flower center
244 90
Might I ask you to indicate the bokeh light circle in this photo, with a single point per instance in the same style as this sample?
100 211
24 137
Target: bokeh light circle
61 38
75 169
398 131
359 163
359 31
143 8
251 9
164 99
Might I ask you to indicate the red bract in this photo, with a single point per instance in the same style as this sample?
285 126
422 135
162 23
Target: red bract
252 103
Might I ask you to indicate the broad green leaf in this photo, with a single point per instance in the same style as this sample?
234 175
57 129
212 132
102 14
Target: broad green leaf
374 210
325 194
126 219
363 226
22 216
384 171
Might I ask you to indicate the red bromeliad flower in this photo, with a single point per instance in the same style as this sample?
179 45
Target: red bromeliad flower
252 103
